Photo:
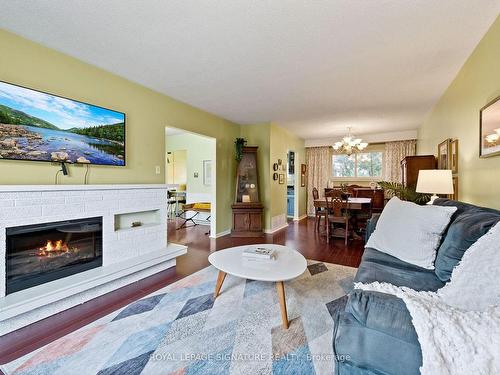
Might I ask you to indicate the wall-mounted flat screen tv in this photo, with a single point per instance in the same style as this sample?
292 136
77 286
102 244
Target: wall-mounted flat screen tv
38 126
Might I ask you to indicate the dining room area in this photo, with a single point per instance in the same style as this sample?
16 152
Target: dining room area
343 211
345 184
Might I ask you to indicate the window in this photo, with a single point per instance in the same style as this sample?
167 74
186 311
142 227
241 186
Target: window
344 166
366 164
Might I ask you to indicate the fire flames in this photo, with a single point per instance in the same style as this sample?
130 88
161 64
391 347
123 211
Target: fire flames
53 248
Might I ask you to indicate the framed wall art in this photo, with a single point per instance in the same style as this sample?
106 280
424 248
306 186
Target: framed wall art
207 172
303 170
444 154
454 156
454 196
489 129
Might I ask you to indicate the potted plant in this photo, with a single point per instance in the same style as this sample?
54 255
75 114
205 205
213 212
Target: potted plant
345 191
239 144
404 193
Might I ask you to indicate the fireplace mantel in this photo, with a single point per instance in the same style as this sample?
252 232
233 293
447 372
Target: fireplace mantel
128 254
41 188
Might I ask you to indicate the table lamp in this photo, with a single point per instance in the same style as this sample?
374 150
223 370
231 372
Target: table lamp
435 181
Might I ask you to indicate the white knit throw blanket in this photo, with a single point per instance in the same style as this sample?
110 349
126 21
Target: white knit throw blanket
458 327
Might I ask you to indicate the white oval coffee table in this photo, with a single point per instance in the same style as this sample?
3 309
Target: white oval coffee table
287 265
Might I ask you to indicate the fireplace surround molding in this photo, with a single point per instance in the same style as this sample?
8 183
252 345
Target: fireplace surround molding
129 254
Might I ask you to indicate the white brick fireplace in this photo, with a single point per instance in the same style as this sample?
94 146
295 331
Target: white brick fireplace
128 253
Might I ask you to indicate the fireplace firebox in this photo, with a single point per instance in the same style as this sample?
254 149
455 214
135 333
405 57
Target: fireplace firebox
40 253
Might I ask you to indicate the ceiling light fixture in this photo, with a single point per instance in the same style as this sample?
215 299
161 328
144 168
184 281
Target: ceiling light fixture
350 144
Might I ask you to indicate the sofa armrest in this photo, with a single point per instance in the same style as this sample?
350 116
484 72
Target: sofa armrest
370 226
360 350
382 312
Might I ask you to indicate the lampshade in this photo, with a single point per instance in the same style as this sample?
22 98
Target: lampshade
435 181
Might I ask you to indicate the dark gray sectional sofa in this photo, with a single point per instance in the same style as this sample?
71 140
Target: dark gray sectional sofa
374 334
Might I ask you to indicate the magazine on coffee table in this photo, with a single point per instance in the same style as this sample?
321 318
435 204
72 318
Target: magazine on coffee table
259 253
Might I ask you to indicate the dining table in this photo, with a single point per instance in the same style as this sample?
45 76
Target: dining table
351 204
355 204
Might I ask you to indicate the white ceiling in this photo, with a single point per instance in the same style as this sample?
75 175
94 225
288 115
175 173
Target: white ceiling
314 67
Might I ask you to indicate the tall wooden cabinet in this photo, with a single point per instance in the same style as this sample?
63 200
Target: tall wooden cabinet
247 209
411 165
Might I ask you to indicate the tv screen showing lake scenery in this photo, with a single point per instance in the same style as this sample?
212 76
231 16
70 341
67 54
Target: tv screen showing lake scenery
42 127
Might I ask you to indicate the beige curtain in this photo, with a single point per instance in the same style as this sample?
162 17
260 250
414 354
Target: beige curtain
394 153
319 165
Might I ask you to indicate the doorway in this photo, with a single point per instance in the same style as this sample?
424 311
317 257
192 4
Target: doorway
190 161
291 187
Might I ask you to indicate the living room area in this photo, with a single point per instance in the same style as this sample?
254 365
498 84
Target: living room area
249 187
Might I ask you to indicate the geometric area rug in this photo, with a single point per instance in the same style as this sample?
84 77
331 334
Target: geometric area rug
181 329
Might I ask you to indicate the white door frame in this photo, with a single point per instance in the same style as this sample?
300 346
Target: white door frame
296 188
296 185
213 203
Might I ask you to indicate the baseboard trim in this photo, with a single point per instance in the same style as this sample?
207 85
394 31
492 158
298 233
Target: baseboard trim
271 231
300 218
221 234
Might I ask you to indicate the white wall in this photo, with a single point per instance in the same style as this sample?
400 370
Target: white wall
176 170
197 149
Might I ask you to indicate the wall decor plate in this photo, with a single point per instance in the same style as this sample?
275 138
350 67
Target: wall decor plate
275 166
275 176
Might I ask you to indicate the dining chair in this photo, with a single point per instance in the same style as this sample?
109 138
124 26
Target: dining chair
320 212
171 202
351 189
333 192
180 197
337 215
365 214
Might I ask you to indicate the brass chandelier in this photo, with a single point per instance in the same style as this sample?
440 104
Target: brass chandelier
349 144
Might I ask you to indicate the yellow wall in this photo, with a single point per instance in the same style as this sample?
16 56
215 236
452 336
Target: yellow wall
274 143
259 135
148 113
283 141
456 115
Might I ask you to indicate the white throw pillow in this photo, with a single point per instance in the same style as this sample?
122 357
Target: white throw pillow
411 232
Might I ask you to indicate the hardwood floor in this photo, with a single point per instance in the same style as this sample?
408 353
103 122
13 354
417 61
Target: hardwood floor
299 235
